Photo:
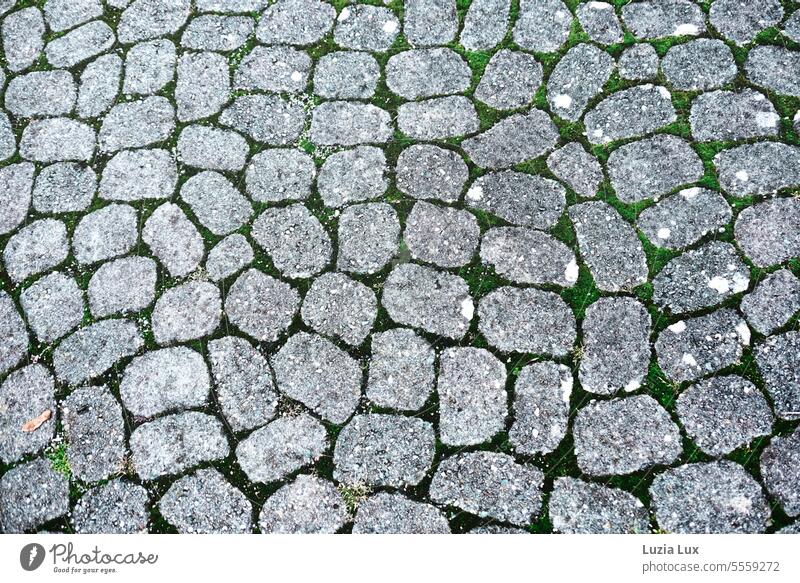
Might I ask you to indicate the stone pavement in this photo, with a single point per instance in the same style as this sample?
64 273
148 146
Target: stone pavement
405 266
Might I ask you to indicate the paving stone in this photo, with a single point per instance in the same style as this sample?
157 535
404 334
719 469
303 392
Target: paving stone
629 113
793 528
489 485
23 38
387 513
80 44
174 443
230 6
295 240
203 85
773 302
513 140
791 27
443 236
401 371
30 495
638 63
62 187
778 359
139 175
510 80
105 233
699 65
615 343
622 436
92 350
690 349
340 307
95 433
422 297
341 123
149 66
526 320
186 312
422 73
243 383
212 32
530 257
684 218
701 278
424 171
384 450
713 497
724 413
542 25
577 79
122 286
541 407
35 248
137 124
740 20
216 203
652 19
53 306
780 470
8 141
274 69
229 257
578 168
174 240
485 24
368 237
99 86
430 22
64 14
363 27
519 198
279 174
600 22
580 507
165 380
320 375
16 183
57 139
146 19
24 395
261 306
265 118
118 507
729 116
617 268
496 529
309 505
472 396
346 75
205 503
295 22
14 333
774 68
769 232
438 118
759 168
653 167
281 448
41 94
352 175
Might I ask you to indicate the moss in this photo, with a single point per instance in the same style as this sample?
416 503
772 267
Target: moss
59 460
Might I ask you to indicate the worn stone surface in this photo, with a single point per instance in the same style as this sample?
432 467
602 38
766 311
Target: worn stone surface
118 507
425 171
442 236
15 344
186 312
25 394
368 237
438 118
577 78
578 168
279 174
779 467
401 372
652 19
216 203
699 65
149 66
31 494
386 513
139 175
580 507
338 306
173 239
542 392
309 505
352 176
523 255
775 244
773 302
726 116
510 80
513 140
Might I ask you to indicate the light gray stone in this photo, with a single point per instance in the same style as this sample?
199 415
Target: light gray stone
577 79
30 495
118 507
542 25
353 175
387 513
542 391
261 306
513 140
41 94
295 22
122 286
58 139
16 184
274 69
137 124
485 24
149 66
510 80
212 32
216 203
423 73
769 232
600 22
174 240
139 175
578 168
629 113
186 312
580 507
401 371
519 198
35 248
773 302
363 27
368 237
759 168
438 118
346 75
279 174
653 19
740 20
340 307
778 359
780 469
24 395
424 171
229 257
265 118
146 19
728 116
440 235
80 44
53 306
62 187
309 505
99 86
105 233
14 333
341 123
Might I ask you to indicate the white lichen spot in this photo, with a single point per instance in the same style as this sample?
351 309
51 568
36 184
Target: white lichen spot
344 14
467 308
664 92
297 76
562 101
571 273
740 283
767 119
599 5
598 133
686 30
690 193
742 175
741 504
688 360
677 327
664 233
744 332
475 193
632 385
390 26
566 384
720 284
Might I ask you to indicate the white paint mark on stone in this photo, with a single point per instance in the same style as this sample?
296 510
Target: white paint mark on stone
390 26
297 76
632 385
690 193
467 308
475 193
767 119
